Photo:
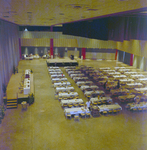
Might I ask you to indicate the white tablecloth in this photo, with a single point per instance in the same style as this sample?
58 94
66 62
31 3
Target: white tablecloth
58 76
74 72
119 67
70 67
108 99
76 75
86 93
26 87
54 70
62 84
130 73
109 70
83 82
109 107
130 85
141 89
126 80
56 73
66 89
121 76
59 79
54 67
104 68
124 70
78 78
67 95
113 73
141 105
137 75
73 101
143 79
83 87
76 110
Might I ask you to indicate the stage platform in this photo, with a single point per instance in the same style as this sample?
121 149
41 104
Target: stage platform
13 88
61 62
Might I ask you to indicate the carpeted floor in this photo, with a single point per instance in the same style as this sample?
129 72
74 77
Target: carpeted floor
44 126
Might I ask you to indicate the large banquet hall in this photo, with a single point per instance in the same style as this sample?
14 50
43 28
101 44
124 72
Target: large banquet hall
73 75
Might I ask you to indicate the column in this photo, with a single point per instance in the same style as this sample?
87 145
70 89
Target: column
51 44
84 53
131 60
116 54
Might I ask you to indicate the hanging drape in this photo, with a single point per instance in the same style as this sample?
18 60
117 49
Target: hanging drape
127 28
9 52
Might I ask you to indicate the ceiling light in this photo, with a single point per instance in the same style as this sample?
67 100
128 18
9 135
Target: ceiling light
26 29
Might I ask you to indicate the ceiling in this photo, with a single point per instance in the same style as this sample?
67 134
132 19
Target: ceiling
57 12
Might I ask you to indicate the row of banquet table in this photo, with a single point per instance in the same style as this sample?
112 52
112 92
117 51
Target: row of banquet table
66 93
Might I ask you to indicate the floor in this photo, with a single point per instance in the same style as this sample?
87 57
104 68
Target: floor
44 126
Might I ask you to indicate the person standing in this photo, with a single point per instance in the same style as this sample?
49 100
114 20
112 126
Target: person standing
118 85
88 104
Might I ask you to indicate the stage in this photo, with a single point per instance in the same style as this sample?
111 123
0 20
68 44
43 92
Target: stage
13 91
61 62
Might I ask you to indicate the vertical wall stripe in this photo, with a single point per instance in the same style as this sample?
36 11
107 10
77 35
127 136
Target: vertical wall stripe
131 60
51 48
84 52
116 54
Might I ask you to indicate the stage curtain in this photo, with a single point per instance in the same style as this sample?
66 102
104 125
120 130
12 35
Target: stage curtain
9 52
127 28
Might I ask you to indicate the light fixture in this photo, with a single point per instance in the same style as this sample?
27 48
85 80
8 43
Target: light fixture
26 29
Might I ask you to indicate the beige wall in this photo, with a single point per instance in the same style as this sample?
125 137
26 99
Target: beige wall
60 40
136 47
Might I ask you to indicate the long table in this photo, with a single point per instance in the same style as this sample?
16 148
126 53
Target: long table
59 80
76 110
26 87
96 99
58 76
62 84
73 101
140 105
89 93
84 87
68 95
79 83
64 89
109 107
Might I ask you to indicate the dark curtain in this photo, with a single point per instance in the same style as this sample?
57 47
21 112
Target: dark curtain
127 28
127 58
116 28
120 56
